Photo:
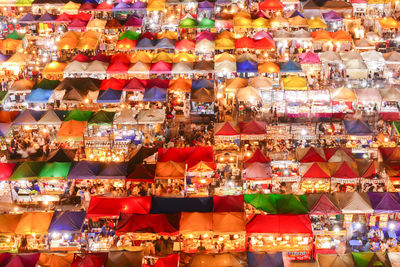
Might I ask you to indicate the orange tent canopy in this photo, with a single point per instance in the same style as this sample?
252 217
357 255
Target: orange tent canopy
126 44
268 67
321 35
72 130
34 223
341 36
170 170
180 84
202 167
270 5
196 222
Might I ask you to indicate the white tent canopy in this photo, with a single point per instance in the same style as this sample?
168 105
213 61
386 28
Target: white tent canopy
354 202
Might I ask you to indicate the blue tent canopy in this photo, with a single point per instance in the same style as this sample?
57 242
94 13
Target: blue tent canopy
165 43
110 96
39 95
122 6
247 66
67 221
155 94
174 205
264 259
84 170
112 170
356 127
296 13
203 83
144 43
290 66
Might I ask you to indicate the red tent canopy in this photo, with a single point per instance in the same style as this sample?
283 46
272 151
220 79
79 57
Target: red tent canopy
329 152
121 57
252 127
112 83
312 156
227 130
81 58
270 5
162 83
148 223
187 154
345 171
264 43
105 6
169 261
7 116
386 152
258 156
185 44
161 67
143 173
245 42
280 224
368 172
315 171
149 35
6 170
118 67
135 84
228 203
109 207
324 207
90 260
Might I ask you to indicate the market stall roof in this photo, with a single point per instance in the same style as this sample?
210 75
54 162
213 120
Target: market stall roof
332 16
110 96
309 58
143 173
335 260
228 203
248 94
368 95
72 130
39 95
270 5
268 67
155 94
392 57
390 93
226 129
310 154
343 94
126 116
338 154
253 127
78 115
316 23
237 259
90 260
61 155
56 259
22 85
7 116
256 171
102 117
27 170
81 84
202 95
365 259
354 202
344 170
67 221
290 66
28 117
160 205
55 170
389 23
357 127
271 259
294 83
111 207
278 204
324 206
21 260
9 222
151 116
170 170
124 258
112 170
316 170
394 258
34 223
84 170
258 156
280 224
385 202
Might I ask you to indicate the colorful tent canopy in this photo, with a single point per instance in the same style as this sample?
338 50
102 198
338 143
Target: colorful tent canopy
255 259
385 202
280 224
56 259
109 207
55 170
84 170
67 221
356 127
27 170
160 205
148 223
281 204
34 223
72 130
354 202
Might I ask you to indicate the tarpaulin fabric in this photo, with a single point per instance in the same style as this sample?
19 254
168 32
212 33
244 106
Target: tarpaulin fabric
228 203
317 170
385 202
256 171
56 259
258 156
27 170
124 259
174 205
39 95
102 117
253 128
169 261
72 130
264 259
112 170
67 221
147 223
192 154
23 260
78 115
344 170
110 96
280 224
271 5
155 94
143 173
90 260
226 129
170 170
365 259
108 207
237 259
311 154
355 202
28 117
34 223
356 127
9 222
192 222
324 206
6 170
228 222
335 260
54 170
7 116
84 170
278 204
50 118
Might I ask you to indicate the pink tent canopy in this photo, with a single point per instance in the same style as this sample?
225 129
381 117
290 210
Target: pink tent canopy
309 58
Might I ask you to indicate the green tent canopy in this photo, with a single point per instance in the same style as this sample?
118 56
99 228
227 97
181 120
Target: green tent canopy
396 125
130 35
53 170
187 23
23 3
102 117
3 96
367 259
15 36
206 23
278 204
47 84
27 170
78 115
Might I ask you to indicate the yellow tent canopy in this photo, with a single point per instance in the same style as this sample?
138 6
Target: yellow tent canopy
343 94
9 222
183 57
54 68
298 21
142 56
225 57
316 23
242 22
66 43
96 24
10 44
294 83
56 259
389 23
224 44
180 84
167 34
196 222
225 34
162 56
71 7
34 223
87 44
16 59
154 5
260 23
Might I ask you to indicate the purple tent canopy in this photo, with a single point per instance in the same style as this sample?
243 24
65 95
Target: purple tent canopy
4 57
205 5
205 35
112 170
223 2
144 43
28 18
46 18
385 202
84 170
133 21
331 16
122 6
139 5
